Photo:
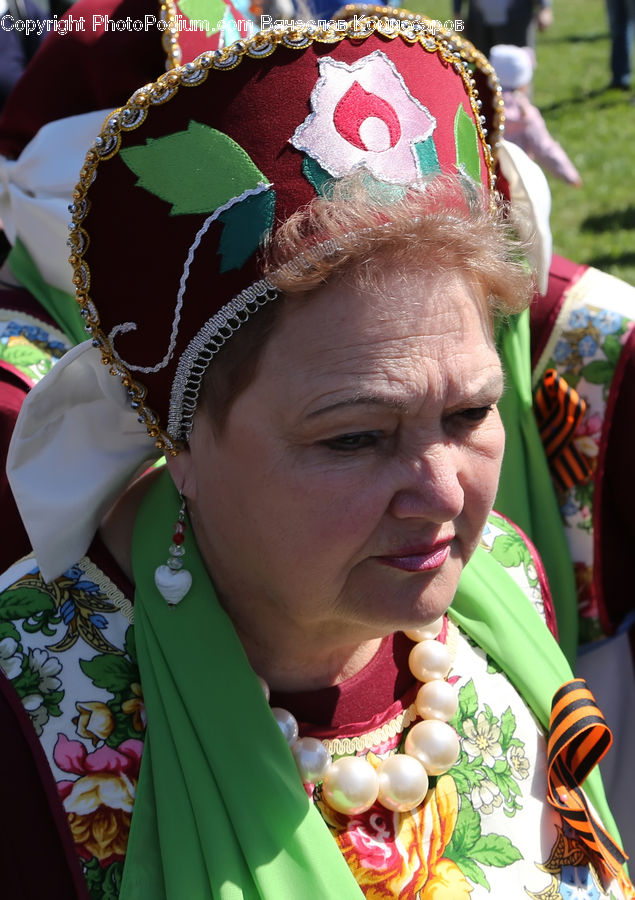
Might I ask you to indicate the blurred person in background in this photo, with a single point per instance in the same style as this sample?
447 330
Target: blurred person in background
492 22
524 124
621 15
17 48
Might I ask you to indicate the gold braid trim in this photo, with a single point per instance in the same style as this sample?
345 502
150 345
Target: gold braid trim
129 117
168 13
107 588
349 746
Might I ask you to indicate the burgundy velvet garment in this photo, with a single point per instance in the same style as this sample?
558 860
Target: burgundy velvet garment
386 674
544 310
82 71
14 386
15 542
614 482
615 539
38 860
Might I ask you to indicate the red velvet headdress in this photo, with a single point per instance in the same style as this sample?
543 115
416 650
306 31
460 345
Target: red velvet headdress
196 171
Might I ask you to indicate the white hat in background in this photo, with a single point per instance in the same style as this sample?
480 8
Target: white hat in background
514 65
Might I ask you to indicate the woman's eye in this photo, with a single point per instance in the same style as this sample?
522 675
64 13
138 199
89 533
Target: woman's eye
476 414
357 441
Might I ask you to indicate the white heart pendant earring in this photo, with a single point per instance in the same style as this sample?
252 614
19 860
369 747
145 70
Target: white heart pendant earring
172 580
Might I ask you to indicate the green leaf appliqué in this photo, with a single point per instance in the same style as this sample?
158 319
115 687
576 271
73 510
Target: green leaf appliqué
208 11
176 168
600 371
509 551
466 140
244 226
468 703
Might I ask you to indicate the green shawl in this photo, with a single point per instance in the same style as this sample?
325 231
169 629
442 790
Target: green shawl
525 491
220 811
60 306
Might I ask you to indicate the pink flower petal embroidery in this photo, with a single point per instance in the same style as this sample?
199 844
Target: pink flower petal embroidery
106 760
364 116
133 750
359 107
64 788
70 756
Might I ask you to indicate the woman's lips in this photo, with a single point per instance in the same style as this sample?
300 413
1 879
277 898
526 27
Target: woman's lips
419 560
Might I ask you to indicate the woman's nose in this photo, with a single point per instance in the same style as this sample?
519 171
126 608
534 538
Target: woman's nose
431 486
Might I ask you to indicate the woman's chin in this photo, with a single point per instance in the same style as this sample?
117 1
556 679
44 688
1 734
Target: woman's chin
410 607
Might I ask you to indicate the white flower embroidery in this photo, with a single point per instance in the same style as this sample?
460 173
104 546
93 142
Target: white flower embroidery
10 661
364 116
46 668
518 762
38 713
482 740
486 796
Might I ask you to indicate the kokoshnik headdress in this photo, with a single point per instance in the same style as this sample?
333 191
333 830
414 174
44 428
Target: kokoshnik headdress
176 198
198 179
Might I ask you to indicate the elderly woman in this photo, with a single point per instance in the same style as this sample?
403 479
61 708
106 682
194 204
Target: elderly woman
289 258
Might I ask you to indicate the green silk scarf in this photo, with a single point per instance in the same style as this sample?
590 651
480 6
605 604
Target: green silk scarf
525 492
220 811
60 306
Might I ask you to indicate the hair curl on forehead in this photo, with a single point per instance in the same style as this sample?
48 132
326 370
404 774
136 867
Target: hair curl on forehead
361 230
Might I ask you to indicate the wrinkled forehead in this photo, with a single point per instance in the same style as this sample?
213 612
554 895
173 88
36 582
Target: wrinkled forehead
345 340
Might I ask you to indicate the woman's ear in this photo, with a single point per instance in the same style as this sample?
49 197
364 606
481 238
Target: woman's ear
181 470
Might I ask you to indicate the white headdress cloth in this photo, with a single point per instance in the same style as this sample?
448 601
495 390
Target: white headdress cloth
531 202
76 445
37 187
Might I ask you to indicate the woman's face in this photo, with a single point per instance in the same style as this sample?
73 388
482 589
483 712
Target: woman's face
355 473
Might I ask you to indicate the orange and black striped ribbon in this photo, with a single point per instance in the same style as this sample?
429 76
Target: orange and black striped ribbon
578 739
559 409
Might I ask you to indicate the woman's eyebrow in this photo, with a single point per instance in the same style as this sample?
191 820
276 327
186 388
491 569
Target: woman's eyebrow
493 385
383 400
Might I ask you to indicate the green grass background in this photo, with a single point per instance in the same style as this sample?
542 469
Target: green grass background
594 224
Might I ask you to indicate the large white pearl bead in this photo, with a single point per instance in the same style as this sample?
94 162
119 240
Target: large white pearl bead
312 759
437 700
426 632
287 722
435 744
403 783
429 661
351 785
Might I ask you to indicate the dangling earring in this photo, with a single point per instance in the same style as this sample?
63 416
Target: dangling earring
172 580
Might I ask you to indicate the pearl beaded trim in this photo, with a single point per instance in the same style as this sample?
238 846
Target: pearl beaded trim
350 784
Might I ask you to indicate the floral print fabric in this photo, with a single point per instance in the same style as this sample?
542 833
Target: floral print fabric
29 345
585 348
485 831
68 650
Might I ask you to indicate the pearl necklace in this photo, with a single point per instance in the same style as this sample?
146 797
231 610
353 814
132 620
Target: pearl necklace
351 785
